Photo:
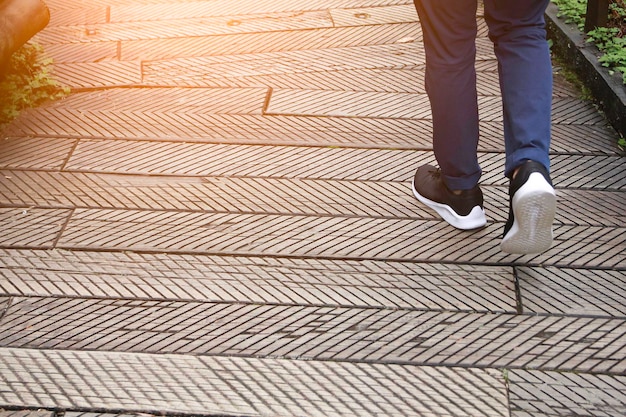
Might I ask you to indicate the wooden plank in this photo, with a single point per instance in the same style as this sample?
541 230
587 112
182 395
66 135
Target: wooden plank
242 386
263 42
205 26
31 227
385 337
257 280
374 15
35 152
572 291
330 237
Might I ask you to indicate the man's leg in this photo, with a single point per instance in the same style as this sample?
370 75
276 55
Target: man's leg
449 30
517 29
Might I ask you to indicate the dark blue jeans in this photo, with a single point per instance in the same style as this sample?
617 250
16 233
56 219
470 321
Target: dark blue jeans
517 29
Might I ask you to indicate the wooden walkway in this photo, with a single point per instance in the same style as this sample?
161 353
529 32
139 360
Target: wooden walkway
218 221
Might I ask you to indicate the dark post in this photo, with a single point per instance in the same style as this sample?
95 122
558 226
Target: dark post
597 14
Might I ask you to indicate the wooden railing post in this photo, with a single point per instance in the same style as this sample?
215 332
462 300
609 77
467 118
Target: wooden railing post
597 14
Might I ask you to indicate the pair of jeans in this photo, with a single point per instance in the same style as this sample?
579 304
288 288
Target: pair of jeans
517 30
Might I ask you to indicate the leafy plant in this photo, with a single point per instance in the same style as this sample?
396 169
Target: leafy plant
610 40
27 82
613 47
573 11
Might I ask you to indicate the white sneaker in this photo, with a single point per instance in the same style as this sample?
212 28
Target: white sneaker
531 212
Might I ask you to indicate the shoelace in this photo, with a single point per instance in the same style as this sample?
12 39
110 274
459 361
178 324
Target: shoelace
436 174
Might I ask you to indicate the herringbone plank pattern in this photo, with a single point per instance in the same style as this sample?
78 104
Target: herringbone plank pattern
219 221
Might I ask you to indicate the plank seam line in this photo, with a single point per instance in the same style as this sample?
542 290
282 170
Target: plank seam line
287 305
242 213
67 159
295 144
272 177
6 308
518 292
266 102
266 142
409 363
515 263
59 411
63 227
557 187
305 305
213 176
113 86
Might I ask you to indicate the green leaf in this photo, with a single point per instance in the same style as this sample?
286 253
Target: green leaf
28 82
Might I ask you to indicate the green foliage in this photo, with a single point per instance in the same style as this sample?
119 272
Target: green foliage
613 47
505 374
573 11
27 83
610 40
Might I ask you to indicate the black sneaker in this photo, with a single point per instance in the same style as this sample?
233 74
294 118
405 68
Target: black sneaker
463 211
531 212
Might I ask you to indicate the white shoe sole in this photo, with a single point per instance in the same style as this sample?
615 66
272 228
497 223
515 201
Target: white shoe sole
475 219
534 206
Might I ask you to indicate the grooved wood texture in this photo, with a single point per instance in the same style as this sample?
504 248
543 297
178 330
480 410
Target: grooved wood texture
219 221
